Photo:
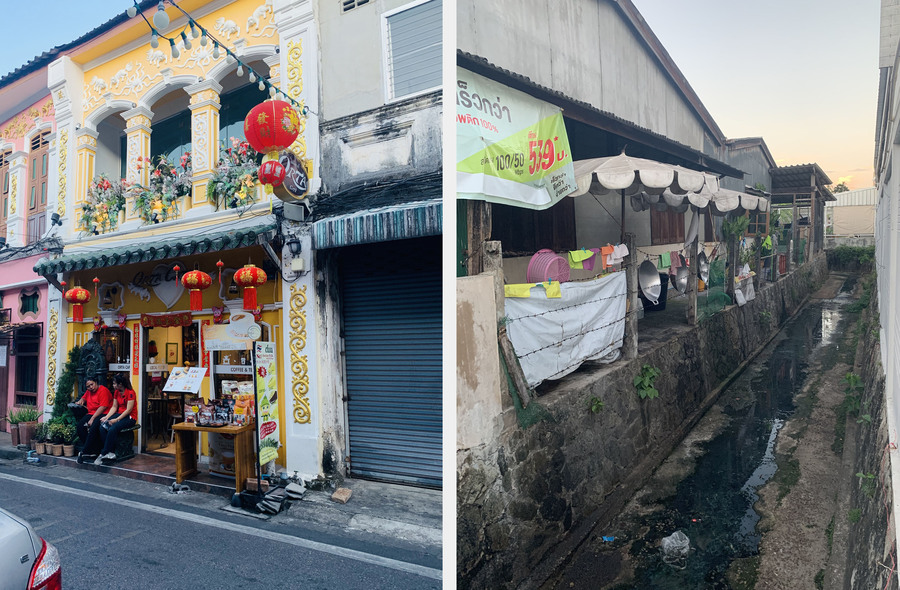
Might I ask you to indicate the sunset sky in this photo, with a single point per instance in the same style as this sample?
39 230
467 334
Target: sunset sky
803 75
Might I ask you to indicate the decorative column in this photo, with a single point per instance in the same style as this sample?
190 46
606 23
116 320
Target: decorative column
311 414
85 159
18 186
137 131
205 107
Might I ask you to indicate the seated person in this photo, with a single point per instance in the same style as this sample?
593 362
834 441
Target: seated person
122 415
97 399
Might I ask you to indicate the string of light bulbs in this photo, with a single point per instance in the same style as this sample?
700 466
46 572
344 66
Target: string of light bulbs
161 22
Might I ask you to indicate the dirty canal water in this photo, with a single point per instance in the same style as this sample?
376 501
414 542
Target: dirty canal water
709 485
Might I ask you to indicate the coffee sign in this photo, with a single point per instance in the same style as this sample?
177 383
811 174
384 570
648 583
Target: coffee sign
296 182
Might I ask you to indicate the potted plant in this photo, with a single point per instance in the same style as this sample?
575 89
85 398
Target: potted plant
168 183
57 435
70 436
12 417
104 208
40 436
28 420
234 182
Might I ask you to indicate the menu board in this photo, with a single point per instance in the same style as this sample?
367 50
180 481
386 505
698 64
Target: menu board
185 380
267 400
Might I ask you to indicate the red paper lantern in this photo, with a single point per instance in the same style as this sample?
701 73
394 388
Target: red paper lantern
77 296
195 281
271 126
271 172
250 277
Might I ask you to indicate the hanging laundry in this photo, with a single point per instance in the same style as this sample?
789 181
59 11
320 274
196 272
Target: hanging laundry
675 257
577 258
523 290
665 260
605 251
589 262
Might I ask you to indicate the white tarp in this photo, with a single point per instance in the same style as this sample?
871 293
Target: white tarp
552 337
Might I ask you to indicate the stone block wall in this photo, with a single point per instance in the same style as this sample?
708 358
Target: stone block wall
524 499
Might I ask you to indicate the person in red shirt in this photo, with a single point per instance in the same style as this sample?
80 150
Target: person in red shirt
97 399
122 415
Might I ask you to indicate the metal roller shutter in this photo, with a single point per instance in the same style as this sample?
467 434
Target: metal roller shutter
391 302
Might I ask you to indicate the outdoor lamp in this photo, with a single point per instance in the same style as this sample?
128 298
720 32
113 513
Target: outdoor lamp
216 50
185 41
262 85
240 69
55 220
154 40
204 39
161 19
194 32
131 11
175 52
251 77
295 246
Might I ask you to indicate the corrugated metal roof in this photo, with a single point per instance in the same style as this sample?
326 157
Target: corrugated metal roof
855 198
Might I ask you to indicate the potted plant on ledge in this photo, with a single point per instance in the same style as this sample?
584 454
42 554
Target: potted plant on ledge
40 437
104 209
57 435
70 436
234 183
168 183
22 422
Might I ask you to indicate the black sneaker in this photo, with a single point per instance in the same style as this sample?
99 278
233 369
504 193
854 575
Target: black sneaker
80 458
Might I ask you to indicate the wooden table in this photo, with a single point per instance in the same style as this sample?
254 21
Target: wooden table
186 438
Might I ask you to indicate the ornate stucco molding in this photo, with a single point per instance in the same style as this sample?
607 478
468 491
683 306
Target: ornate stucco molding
299 362
51 357
63 160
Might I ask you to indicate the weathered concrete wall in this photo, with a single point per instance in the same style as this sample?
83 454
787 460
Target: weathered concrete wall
524 499
868 542
832 242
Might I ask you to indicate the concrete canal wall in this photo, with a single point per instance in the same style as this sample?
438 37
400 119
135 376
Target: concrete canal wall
866 560
530 493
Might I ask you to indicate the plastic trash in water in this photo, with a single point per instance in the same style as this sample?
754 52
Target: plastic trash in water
608 539
675 549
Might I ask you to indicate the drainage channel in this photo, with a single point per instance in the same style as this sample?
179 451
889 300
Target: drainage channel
708 487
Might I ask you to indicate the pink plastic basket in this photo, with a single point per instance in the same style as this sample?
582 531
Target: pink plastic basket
547 265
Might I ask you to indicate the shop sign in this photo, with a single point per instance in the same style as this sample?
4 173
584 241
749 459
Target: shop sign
234 370
185 380
167 320
120 367
238 334
266 365
135 348
511 147
296 183
156 367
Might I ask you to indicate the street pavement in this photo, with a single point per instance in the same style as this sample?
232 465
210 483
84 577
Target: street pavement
115 532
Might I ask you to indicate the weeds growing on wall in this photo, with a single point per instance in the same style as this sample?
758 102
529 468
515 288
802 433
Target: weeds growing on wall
851 257
645 381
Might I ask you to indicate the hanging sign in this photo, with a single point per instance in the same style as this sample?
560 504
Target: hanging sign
135 348
204 352
167 320
266 366
511 148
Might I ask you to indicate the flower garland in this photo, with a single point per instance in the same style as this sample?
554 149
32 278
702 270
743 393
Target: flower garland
168 183
233 184
105 198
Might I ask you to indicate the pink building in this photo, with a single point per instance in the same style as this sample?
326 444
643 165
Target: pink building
23 332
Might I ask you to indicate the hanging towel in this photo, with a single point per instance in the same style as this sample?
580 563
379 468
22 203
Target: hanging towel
621 251
665 260
589 262
523 290
577 258
675 257
605 251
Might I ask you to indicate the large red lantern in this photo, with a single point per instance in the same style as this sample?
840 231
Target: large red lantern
195 281
271 126
77 296
250 277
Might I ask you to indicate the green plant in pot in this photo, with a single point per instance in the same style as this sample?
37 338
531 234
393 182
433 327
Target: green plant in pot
70 435
40 436
28 417
57 436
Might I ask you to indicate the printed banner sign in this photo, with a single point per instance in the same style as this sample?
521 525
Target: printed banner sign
511 148
185 379
266 366
168 320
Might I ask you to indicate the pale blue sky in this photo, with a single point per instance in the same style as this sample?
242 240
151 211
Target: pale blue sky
61 21
803 75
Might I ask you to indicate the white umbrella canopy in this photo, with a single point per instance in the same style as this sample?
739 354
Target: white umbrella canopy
633 175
